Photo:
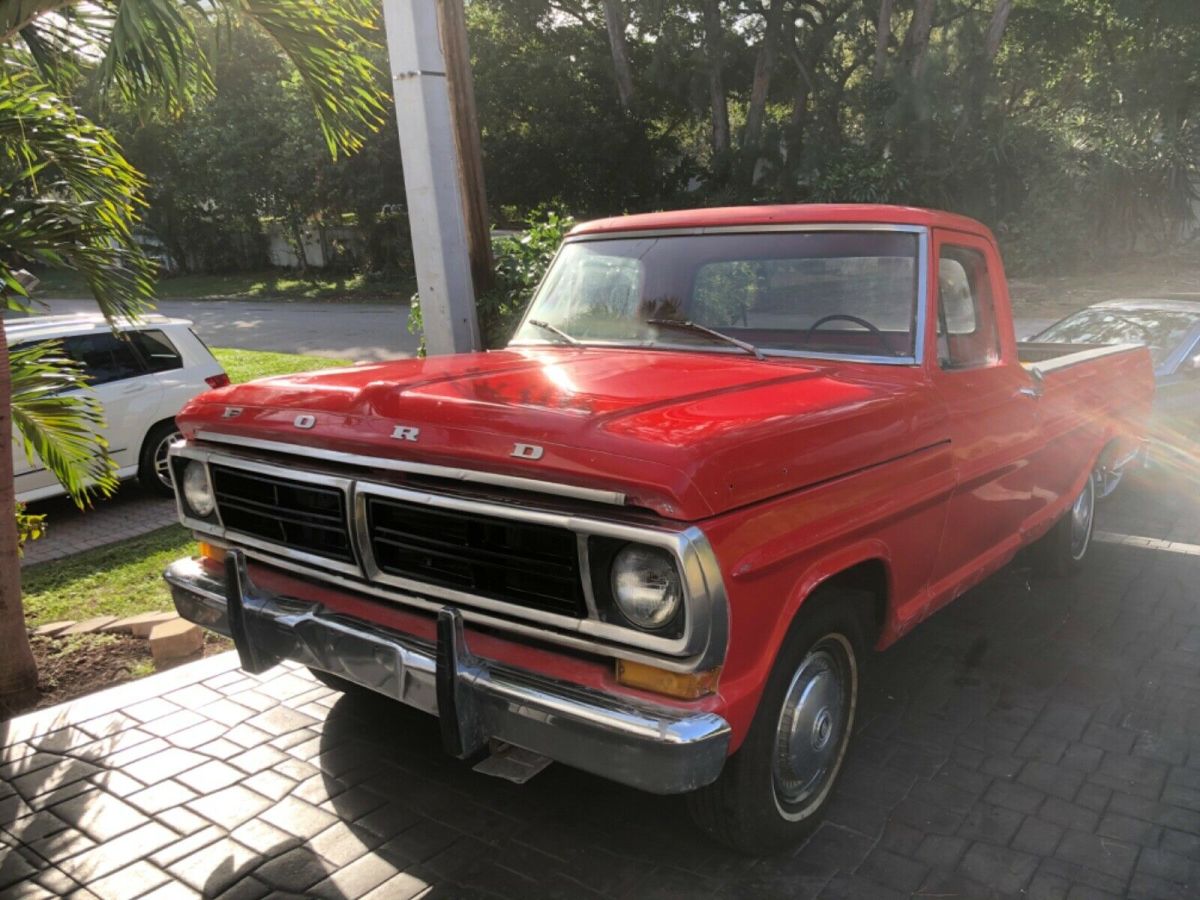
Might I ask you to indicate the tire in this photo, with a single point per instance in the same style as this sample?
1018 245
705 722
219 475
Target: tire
152 472
1062 550
766 798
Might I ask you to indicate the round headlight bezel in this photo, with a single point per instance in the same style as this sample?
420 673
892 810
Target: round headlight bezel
625 586
196 489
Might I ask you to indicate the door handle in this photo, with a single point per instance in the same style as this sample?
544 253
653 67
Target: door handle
1034 392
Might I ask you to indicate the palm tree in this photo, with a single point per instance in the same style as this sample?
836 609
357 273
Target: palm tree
70 199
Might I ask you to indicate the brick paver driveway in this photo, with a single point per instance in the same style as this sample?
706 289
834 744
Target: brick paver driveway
1039 739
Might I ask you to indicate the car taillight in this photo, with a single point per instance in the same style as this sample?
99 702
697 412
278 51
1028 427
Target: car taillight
217 381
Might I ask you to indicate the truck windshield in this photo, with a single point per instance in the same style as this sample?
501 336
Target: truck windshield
840 293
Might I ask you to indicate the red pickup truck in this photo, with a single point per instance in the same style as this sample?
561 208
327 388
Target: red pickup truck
726 454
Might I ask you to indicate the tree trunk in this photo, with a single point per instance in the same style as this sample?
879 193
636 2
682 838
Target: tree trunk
714 34
916 41
995 31
614 20
764 68
883 33
18 671
468 140
807 54
980 72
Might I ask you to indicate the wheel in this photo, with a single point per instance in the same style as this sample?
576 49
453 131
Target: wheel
1061 551
154 473
773 791
1108 477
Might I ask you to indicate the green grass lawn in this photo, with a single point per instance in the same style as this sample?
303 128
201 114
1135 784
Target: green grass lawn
272 284
246 365
121 579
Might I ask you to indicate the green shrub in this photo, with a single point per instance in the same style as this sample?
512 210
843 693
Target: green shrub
520 262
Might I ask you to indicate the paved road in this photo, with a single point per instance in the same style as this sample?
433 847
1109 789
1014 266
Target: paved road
353 331
342 331
1037 739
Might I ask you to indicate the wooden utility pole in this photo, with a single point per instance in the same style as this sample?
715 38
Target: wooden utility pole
453 23
443 177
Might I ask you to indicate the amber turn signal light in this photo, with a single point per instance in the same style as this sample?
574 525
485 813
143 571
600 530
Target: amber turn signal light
684 685
211 551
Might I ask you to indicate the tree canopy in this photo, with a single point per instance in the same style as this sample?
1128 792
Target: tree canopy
1069 126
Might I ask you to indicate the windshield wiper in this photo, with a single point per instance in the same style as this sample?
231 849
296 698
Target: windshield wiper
553 329
683 325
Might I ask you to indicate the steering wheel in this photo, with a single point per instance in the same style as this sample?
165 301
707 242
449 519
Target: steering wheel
845 318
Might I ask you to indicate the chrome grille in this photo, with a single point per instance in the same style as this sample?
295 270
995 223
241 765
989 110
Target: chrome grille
303 516
532 565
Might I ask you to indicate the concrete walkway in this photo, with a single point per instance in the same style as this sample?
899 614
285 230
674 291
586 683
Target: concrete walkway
1037 739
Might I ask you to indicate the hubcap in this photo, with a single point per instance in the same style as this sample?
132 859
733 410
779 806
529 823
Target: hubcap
1081 519
812 725
1107 480
162 466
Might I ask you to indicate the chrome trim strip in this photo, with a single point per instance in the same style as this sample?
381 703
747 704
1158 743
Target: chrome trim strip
1045 367
585 575
647 745
691 643
698 348
761 228
921 303
924 301
702 645
450 473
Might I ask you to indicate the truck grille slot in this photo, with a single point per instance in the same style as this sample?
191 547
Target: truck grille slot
296 514
536 566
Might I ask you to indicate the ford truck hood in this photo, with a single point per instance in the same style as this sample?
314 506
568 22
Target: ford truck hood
686 434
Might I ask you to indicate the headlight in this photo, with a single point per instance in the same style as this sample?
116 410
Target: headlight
197 491
646 586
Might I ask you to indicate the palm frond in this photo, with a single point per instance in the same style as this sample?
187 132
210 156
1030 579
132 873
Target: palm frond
71 234
148 50
57 68
152 52
70 198
324 41
58 422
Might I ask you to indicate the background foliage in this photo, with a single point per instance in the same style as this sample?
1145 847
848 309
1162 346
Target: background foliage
1069 126
521 259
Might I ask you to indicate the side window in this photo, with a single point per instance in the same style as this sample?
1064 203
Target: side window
967 334
156 350
105 357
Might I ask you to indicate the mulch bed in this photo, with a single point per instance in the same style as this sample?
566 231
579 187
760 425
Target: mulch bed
77 666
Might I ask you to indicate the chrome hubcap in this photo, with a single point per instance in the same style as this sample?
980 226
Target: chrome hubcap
1081 519
1107 481
812 726
162 466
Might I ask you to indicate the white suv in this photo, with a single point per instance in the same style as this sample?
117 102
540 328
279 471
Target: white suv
142 375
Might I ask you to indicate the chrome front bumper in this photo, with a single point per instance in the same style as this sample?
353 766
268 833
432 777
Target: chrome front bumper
653 747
